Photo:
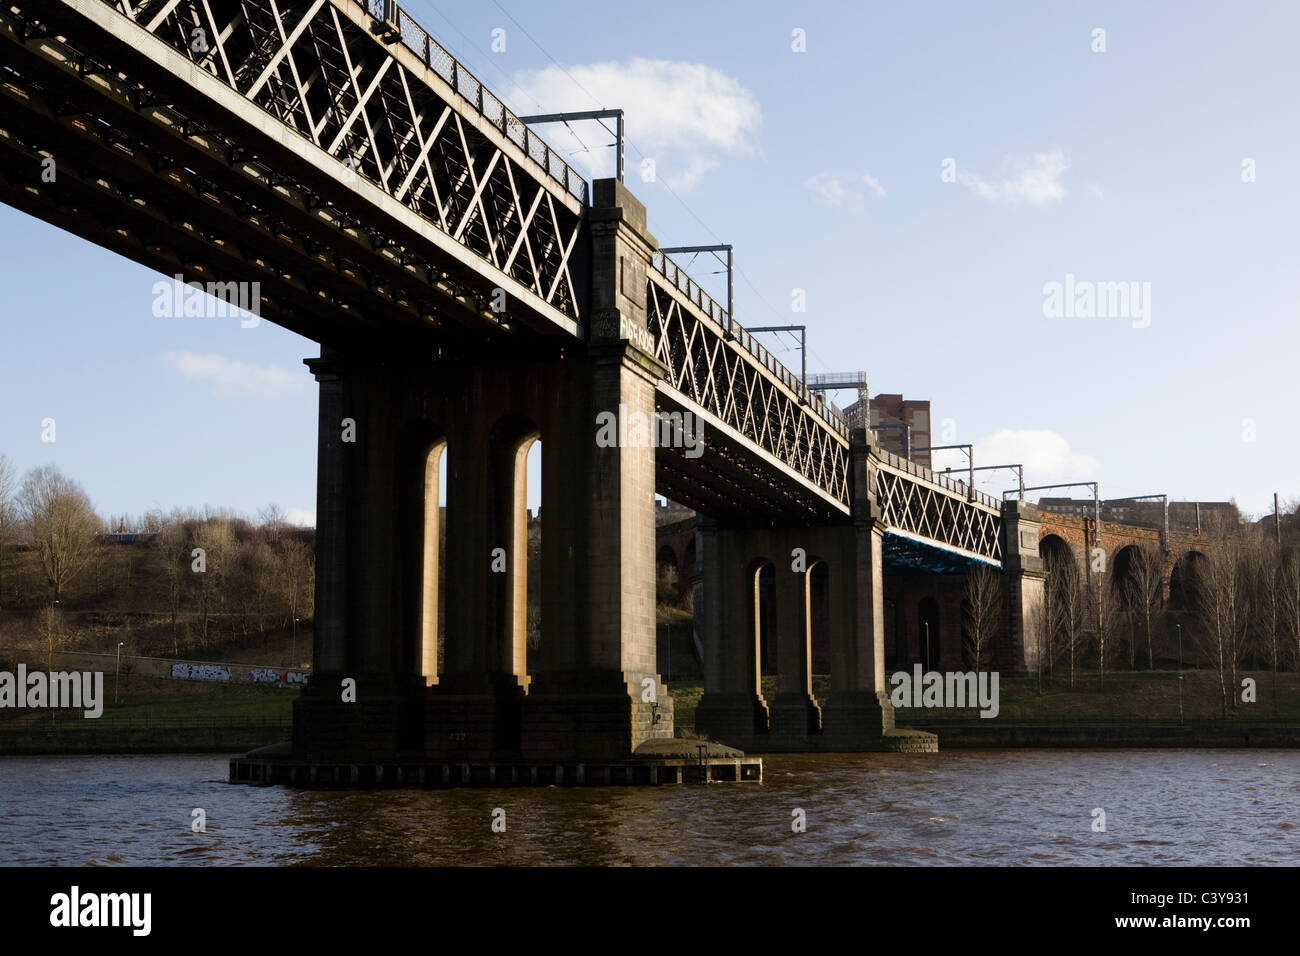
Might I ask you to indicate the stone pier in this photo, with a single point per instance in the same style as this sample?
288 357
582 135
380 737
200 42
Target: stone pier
387 415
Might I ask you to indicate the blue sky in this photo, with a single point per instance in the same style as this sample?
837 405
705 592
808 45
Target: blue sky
825 169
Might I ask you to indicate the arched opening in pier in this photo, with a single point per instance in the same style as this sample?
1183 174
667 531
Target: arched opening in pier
532 498
763 619
421 497
1062 602
1123 582
509 445
1184 630
928 632
819 611
1184 588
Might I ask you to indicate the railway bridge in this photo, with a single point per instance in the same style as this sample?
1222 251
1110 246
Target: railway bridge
471 294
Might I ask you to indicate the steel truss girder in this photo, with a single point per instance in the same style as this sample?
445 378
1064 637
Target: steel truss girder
732 480
936 516
728 384
315 70
178 172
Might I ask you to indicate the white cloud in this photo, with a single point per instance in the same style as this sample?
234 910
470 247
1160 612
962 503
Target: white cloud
684 116
827 189
688 178
831 190
301 517
1046 455
230 377
1036 182
873 184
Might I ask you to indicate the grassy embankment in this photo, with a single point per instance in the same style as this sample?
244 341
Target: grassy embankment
124 597
1135 697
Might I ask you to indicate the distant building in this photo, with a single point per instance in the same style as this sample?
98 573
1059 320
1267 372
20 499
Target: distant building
1288 524
898 425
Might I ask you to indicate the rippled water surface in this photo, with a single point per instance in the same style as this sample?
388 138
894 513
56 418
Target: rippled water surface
1210 807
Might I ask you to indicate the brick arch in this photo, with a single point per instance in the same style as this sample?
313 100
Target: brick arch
1180 599
680 543
1052 543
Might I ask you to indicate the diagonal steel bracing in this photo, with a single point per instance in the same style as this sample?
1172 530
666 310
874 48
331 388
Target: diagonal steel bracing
394 121
920 505
726 386
367 180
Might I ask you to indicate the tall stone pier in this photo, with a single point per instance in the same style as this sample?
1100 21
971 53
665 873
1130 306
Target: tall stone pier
1023 579
857 714
387 416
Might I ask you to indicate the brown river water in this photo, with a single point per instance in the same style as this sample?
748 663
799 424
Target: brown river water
1162 807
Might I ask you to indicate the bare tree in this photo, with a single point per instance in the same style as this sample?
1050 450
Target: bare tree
60 522
1218 602
8 515
1143 593
1041 622
1108 615
1067 598
49 627
1288 589
215 538
984 611
175 559
1265 568
297 577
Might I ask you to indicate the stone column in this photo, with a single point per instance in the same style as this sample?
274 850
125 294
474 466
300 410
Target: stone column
599 694
1023 580
330 625
732 709
795 713
858 711
365 691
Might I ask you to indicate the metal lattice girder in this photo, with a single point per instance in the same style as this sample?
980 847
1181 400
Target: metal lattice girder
928 512
394 149
729 385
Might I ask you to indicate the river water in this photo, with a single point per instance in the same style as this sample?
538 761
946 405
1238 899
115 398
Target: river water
1162 807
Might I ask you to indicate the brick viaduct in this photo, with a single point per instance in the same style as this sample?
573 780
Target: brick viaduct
914 599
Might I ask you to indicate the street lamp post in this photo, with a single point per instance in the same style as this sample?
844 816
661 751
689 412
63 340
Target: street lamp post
293 647
929 662
1180 673
117 676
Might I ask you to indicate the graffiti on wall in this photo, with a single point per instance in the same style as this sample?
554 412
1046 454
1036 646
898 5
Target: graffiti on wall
185 671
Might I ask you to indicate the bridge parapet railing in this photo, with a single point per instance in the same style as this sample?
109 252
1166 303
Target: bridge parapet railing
416 39
683 283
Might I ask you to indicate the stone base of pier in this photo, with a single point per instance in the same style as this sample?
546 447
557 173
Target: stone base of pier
657 763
